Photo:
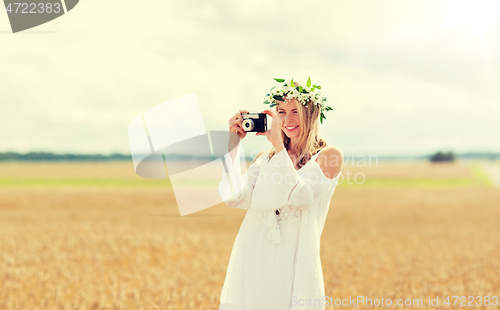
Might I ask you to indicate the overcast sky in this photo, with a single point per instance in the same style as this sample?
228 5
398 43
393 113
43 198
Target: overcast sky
403 77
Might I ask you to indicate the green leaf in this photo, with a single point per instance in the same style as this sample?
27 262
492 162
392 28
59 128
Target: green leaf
300 89
279 80
292 84
276 97
318 87
312 89
309 82
329 109
322 117
272 105
266 102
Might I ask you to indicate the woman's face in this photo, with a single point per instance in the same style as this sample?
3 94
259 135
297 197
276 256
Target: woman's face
290 119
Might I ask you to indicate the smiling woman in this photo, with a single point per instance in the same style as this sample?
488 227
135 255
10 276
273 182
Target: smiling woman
290 118
300 132
287 192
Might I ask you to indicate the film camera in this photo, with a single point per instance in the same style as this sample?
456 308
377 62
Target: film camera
254 122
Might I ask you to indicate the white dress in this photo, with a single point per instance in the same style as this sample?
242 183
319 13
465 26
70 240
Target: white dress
275 261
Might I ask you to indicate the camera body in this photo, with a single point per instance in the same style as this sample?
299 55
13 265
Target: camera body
254 122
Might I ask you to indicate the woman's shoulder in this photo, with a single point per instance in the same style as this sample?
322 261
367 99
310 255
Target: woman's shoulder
331 150
330 160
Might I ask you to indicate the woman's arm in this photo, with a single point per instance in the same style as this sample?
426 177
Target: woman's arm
236 191
315 186
282 185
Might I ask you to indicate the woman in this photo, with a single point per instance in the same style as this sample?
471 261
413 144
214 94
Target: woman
275 262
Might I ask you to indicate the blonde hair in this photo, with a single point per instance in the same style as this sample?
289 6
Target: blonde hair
310 141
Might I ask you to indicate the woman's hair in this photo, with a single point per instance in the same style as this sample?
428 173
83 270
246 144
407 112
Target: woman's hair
310 141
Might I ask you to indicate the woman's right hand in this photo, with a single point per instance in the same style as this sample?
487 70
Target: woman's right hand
235 127
235 124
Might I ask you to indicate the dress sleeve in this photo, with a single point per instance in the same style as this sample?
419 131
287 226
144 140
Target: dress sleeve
236 189
284 186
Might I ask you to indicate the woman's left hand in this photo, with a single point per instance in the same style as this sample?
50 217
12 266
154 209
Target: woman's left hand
274 134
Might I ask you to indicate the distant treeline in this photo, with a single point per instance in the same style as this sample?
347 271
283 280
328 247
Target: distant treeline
46 156
43 156
492 156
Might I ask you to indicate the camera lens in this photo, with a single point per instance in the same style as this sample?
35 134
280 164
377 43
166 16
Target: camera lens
248 124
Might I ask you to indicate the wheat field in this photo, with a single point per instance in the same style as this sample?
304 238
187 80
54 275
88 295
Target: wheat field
103 244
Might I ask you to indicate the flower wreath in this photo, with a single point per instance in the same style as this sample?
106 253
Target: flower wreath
302 94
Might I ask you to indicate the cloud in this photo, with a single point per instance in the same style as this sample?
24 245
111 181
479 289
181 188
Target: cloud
385 66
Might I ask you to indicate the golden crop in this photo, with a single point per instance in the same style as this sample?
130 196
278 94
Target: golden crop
126 247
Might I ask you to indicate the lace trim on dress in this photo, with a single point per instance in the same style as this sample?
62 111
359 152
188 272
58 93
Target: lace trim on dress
285 214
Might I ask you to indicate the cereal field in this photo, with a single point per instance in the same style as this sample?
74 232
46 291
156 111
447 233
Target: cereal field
96 236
